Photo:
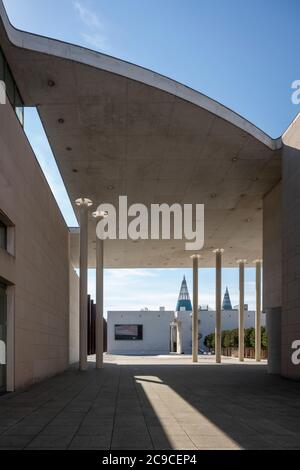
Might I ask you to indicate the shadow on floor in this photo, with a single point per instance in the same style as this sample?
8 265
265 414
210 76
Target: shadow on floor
155 406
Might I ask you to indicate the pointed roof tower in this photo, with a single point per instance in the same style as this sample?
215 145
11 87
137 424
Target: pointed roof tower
226 305
184 302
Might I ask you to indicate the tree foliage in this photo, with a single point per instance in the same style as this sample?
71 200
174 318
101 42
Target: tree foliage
230 338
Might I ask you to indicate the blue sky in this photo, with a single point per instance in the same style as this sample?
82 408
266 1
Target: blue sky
243 54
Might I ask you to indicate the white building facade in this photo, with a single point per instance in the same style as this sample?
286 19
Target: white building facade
151 332
207 321
141 332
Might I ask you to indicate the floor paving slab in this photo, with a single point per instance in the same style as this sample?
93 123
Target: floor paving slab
158 403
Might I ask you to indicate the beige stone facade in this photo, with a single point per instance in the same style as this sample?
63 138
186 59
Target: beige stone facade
290 248
37 271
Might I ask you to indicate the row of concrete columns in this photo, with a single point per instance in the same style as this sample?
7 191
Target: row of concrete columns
84 205
218 290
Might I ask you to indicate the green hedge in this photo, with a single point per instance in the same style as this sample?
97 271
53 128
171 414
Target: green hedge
230 338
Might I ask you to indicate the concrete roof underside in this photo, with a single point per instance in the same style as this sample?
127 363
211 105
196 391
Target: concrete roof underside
134 132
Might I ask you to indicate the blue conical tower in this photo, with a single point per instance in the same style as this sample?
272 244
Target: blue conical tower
184 302
226 305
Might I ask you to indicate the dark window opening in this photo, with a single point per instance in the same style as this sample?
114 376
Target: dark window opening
128 332
3 236
12 91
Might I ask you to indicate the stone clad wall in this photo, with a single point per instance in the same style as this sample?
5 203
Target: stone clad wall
40 268
272 248
291 248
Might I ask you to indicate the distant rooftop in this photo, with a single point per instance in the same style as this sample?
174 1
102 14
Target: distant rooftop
184 301
226 305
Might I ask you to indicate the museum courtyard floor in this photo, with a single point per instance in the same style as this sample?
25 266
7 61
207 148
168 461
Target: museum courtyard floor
161 402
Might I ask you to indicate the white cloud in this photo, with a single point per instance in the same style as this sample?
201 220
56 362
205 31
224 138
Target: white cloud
126 287
125 273
87 16
138 300
95 35
96 40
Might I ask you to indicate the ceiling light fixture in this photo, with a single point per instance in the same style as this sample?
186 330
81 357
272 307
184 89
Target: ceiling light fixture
51 83
100 214
61 121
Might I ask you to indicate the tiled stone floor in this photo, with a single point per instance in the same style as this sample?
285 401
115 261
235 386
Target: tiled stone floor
155 403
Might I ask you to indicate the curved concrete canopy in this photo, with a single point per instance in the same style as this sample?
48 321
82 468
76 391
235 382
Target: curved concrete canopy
130 131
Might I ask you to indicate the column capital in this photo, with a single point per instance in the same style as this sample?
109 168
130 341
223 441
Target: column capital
240 261
83 202
195 256
259 260
100 214
218 250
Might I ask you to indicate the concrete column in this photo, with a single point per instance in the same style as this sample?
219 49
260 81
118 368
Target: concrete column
99 293
179 337
258 311
241 309
218 345
99 302
83 204
195 332
274 340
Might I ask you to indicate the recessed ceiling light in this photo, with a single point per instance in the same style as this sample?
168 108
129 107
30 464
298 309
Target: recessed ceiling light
213 195
69 149
248 220
234 159
110 187
61 121
75 170
51 83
